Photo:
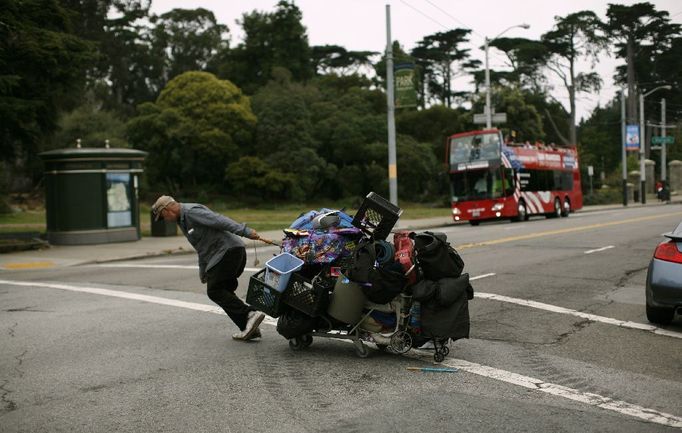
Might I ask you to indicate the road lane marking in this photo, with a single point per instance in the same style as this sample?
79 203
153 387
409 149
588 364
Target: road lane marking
532 304
608 247
591 317
596 400
564 231
125 265
29 265
588 398
622 407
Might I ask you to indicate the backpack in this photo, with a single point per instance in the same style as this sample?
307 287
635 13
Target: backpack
436 258
362 261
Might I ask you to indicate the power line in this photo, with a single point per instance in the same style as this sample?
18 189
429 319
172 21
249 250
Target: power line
424 14
456 19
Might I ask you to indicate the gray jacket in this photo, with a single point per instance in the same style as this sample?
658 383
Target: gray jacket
210 233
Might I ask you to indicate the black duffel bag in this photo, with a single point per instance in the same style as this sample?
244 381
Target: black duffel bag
436 258
386 283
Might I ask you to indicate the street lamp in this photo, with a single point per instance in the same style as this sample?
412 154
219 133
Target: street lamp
488 111
642 174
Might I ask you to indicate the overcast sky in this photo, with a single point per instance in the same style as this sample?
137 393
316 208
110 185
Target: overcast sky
361 25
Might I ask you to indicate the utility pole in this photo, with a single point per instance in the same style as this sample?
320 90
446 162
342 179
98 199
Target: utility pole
392 166
622 147
663 144
642 138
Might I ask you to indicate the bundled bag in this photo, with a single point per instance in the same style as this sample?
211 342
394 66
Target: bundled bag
362 261
436 258
293 324
386 282
444 306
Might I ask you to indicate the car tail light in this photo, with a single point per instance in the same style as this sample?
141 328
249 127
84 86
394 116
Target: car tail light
668 251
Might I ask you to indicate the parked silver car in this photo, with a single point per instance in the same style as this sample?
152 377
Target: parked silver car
664 279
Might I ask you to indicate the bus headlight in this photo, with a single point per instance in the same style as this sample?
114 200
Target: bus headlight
456 211
497 207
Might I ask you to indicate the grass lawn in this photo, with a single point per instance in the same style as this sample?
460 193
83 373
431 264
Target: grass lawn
261 219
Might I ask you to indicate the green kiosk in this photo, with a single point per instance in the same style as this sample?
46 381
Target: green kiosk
91 195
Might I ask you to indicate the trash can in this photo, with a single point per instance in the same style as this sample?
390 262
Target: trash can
91 195
162 227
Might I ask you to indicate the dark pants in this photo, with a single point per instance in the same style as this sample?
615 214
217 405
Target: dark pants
222 281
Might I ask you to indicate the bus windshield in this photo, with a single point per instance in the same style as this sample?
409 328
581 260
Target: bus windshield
476 185
480 147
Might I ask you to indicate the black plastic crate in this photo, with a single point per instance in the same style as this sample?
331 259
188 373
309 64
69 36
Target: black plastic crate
377 216
309 297
263 297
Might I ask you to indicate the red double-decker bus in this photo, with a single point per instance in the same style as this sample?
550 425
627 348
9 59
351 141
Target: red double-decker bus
493 180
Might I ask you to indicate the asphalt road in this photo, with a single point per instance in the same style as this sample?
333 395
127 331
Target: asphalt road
560 342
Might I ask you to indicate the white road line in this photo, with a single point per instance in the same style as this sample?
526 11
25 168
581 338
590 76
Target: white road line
622 407
591 317
591 399
125 265
608 247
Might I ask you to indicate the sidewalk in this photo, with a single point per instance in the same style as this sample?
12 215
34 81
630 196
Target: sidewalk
60 255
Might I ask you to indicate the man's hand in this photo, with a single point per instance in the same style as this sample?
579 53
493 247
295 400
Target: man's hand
254 235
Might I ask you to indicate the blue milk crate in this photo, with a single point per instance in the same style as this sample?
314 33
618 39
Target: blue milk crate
278 270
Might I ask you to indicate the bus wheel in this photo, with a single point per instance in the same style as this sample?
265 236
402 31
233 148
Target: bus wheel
522 213
557 209
566 210
474 222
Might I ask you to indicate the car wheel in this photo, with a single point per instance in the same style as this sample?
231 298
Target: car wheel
566 211
662 316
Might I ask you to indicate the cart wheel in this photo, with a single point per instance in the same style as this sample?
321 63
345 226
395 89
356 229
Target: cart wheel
401 342
445 350
296 343
307 340
438 357
361 350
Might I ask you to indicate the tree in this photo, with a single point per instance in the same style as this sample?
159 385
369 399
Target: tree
92 126
437 53
276 39
574 36
187 40
640 34
40 72
328 59
197 125
526 58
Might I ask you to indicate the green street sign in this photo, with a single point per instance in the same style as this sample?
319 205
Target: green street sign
663 140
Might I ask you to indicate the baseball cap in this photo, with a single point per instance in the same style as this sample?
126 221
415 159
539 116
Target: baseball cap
160 204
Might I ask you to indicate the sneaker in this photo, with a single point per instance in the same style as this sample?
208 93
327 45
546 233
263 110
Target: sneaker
254 319
241 336
254 334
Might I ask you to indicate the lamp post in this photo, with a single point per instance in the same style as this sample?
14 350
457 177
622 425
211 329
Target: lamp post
488 111
642 135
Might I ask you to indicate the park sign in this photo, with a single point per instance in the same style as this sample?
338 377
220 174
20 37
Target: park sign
405 91
663 140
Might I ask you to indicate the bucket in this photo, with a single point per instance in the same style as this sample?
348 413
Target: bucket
278 270
347 301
